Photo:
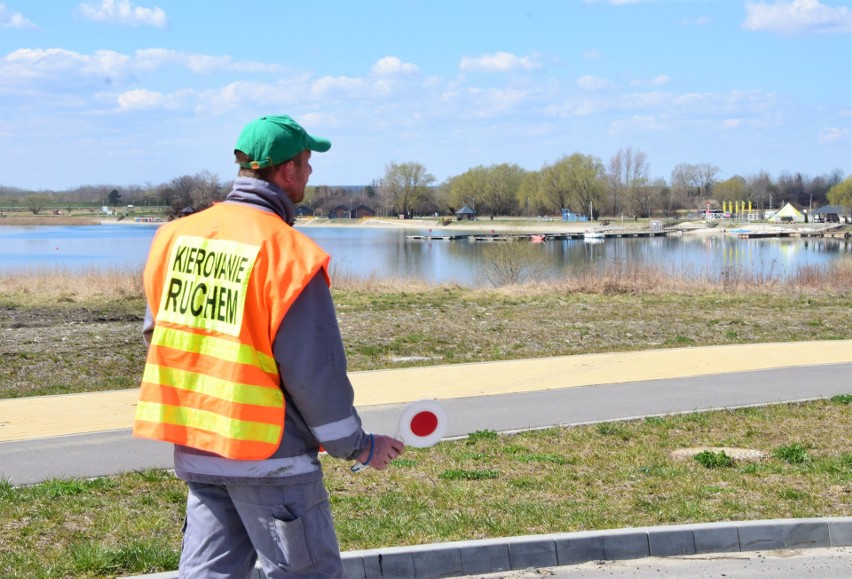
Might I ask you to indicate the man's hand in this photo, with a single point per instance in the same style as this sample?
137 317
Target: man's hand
385 449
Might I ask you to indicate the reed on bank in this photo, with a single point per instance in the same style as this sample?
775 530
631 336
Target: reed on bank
31 286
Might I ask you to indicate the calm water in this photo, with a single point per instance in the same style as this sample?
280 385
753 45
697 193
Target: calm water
365 252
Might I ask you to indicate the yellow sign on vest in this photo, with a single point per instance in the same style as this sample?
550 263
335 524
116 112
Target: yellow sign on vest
206 283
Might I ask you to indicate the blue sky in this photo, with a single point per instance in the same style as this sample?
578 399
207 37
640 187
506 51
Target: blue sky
133 92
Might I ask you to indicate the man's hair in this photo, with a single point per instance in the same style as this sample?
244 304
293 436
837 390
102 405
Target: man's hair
264 174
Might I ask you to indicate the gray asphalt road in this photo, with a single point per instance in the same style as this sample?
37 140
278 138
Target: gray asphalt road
31 461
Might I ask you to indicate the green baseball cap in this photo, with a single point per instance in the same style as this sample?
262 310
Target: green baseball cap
272 140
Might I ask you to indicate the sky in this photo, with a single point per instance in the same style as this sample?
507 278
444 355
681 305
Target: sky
138 92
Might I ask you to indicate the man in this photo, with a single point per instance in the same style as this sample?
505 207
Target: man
246 372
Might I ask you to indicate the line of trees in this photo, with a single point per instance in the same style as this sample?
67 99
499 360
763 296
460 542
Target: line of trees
579 183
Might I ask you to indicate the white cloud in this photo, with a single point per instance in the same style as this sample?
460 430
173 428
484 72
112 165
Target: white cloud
498 62
832 134
594 83
55 64
591 54
153 58
58 65
488 103
700 21
391 65
123 12
797 17
330 86
10 19
136 100
659 80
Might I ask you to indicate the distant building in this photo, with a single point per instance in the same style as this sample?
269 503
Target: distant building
339 212
363 211
465 213
344 212
304 211
832 214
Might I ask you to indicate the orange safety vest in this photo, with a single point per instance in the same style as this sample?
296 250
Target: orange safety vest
218 284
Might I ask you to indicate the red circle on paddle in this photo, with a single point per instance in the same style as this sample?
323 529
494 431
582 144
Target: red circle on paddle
423 423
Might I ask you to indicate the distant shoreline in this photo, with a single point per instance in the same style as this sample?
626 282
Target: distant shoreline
437 227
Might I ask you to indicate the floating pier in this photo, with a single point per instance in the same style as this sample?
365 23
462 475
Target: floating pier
537 237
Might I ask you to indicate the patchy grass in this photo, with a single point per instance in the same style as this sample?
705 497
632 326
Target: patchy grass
488 485
63 333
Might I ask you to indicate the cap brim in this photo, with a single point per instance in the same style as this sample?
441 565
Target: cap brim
318 144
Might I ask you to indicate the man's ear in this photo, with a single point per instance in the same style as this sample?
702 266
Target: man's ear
285 172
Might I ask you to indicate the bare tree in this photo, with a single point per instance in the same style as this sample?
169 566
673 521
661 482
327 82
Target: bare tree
627 179
684 183
762 190
404 185
206 191
693 184
707 178
35 202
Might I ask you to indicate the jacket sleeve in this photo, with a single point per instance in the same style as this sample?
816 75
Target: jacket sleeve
312 362
148 326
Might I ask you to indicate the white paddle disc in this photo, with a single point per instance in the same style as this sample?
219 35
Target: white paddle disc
422 424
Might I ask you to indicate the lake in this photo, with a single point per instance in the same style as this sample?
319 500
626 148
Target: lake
379 252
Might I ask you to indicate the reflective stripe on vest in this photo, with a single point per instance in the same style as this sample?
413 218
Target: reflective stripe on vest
210 380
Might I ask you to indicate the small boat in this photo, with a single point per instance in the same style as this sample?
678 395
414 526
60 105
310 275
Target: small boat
538 238
591 234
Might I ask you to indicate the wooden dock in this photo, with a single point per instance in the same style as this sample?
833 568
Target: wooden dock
782 234
537 237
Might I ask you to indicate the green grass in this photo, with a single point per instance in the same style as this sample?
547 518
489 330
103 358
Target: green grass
611 475
94 344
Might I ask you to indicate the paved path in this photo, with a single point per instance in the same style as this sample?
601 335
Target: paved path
89 434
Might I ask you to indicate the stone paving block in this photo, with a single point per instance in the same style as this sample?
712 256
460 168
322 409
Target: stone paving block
716 539
626 544
671 542
840 532
579 549
440 561
353 567
808 534
536 552
485 558
391 564
761 535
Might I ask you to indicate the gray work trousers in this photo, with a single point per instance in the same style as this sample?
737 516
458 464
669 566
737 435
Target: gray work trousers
287 528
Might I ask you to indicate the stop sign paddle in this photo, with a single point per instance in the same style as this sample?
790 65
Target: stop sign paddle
421 425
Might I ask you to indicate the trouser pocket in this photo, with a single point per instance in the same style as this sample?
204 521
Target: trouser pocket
291 544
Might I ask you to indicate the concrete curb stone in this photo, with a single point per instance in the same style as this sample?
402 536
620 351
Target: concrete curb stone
514 553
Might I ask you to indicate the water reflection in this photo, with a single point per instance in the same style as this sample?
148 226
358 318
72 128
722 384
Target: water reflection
382 253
